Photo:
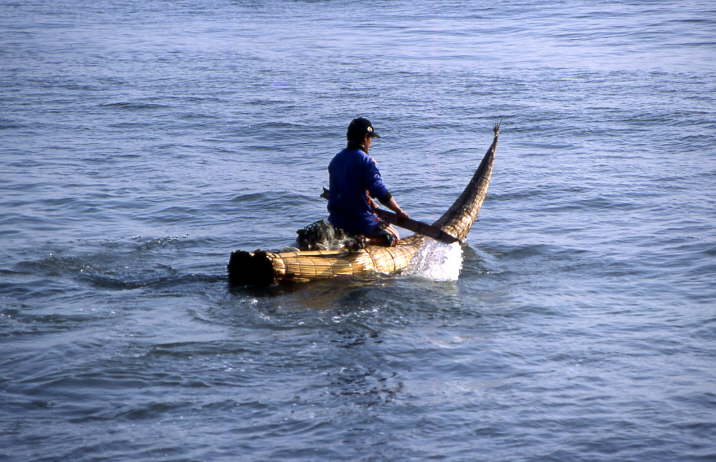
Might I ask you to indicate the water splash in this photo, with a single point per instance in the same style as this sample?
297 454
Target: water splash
437 261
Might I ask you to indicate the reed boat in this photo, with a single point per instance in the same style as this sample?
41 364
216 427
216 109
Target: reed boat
263 267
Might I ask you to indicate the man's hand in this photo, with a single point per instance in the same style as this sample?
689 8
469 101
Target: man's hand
371 202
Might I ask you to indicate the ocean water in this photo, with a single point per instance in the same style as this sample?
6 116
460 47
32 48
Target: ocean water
142 142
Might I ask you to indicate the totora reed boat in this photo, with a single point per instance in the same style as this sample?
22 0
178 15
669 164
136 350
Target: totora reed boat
262 268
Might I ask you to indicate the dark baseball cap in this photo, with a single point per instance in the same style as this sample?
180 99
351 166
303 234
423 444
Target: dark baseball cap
360 127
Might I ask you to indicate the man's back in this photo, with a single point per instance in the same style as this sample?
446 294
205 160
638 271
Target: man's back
353 174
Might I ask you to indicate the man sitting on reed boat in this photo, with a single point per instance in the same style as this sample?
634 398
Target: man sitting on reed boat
354 179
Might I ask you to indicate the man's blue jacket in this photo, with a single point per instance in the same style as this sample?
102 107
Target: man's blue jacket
352 173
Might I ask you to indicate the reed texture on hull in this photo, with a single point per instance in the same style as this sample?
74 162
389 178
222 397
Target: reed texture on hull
261 268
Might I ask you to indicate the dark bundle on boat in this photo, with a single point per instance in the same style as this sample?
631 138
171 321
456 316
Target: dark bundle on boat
321 235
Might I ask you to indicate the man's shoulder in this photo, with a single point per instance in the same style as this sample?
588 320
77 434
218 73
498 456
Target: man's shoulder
339 156
353 154
363 156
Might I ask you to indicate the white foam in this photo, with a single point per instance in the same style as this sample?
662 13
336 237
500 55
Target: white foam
437 261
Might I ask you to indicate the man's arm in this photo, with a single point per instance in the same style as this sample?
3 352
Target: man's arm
393 205
380 191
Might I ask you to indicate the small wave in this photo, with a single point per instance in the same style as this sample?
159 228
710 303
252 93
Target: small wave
134 106
145 244
198 116
127 125
708 44
154 279
272 199
8 124
120 265
250 197
190 349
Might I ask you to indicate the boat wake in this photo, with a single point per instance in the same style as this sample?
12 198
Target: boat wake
437 261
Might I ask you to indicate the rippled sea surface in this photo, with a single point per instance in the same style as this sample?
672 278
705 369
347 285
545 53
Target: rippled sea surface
142 141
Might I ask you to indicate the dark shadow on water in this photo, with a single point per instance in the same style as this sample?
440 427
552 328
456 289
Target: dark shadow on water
319 295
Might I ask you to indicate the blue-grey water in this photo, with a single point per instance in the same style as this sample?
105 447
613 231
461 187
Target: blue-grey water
142 141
